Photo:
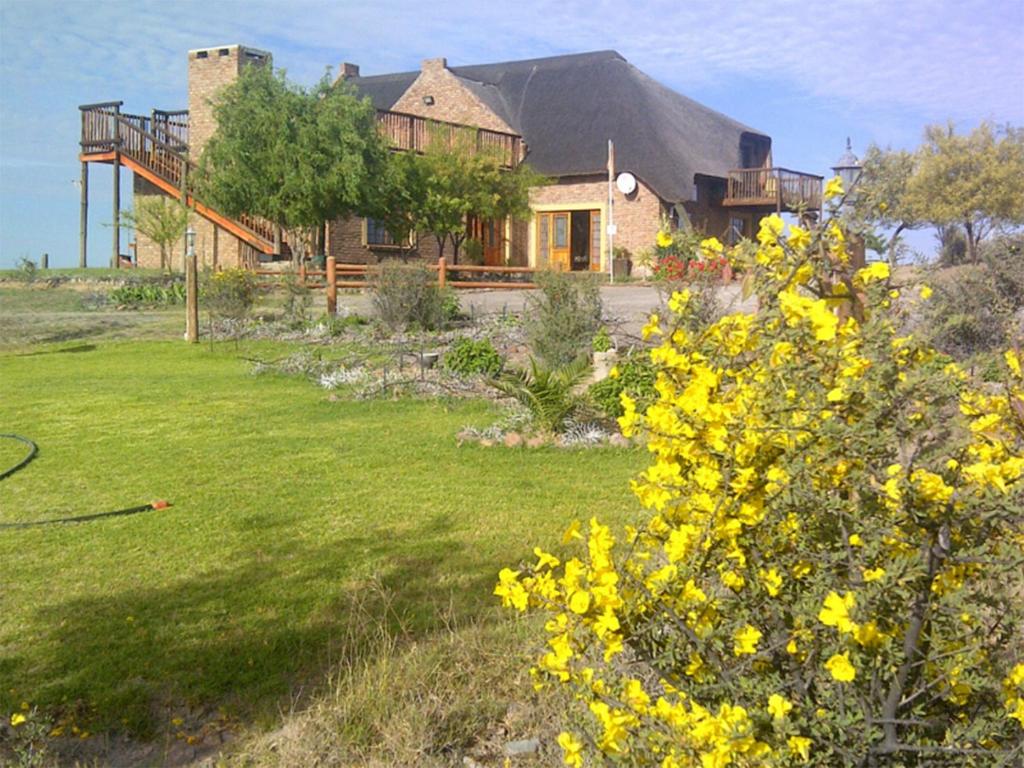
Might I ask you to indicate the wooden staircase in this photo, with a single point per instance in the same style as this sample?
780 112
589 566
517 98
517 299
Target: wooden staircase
155 148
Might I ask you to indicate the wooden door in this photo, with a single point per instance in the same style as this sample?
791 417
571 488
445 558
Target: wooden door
494 243
560 241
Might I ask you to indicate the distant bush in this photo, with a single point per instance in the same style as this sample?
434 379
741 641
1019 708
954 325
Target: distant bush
26 270
229 294
976 309
562 317
407 295
468 357
148 294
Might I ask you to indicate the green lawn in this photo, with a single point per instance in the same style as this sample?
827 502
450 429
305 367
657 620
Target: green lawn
286 507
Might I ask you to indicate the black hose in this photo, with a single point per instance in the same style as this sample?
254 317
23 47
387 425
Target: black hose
33 450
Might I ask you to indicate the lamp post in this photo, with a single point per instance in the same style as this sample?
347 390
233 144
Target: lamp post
191 289
849 170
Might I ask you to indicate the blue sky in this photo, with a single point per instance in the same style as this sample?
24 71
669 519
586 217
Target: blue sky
808 74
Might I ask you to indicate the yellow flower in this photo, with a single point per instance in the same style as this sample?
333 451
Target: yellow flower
836 612
572 532
878 270
579 602
653 327
664 239
746 640
873 574
801 746
1013 361
771 580
925 292
778 706
17 719
856 541
572 749
833 188
840 668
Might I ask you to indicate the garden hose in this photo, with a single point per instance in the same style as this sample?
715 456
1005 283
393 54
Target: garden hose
33 450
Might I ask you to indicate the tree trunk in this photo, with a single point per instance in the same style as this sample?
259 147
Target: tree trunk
972 246
893 242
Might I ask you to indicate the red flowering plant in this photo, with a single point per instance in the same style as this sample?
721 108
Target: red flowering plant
682 255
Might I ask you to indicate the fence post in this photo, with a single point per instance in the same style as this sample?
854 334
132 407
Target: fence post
332 286
442 270
302 272
191 299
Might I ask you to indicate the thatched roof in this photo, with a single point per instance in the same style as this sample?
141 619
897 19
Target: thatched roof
568 107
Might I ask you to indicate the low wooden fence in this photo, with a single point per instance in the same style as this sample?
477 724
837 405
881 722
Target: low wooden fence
337 276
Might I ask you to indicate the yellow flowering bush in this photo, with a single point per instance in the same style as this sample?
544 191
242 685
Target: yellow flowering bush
829 568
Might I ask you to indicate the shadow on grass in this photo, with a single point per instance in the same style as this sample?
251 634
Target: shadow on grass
62 350
221 643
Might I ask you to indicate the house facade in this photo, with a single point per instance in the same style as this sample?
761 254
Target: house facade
676 160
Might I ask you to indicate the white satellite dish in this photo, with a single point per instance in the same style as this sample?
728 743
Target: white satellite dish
626 182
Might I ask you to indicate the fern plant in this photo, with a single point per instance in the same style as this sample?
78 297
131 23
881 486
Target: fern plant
547 393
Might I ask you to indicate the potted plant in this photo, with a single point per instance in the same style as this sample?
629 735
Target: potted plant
622 264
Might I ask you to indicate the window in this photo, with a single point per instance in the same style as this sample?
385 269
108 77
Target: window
375 235
737 228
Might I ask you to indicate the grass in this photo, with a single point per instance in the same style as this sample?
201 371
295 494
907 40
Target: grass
291 512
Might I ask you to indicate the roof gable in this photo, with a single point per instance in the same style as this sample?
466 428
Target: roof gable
568 107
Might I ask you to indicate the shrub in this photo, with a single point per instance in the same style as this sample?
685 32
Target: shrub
634 375
562 317
153 294
298 299
547 393
976 309
26 270
829 569
407 295
229 294
468 357
602 341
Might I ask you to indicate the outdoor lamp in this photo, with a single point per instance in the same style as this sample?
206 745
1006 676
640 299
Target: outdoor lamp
190 241
848 168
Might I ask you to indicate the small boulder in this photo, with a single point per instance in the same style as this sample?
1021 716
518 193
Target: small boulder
513 440
536 441
522 747
619 441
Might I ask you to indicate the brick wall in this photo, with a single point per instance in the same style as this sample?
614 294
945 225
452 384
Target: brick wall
452 101
637 216
345 243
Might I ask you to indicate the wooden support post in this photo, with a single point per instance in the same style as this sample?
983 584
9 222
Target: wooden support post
442 272
191 300
184 201
302 272
332 286
216 238
44 261
83 220
116 255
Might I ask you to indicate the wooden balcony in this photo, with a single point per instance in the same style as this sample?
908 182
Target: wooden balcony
412 133
778 189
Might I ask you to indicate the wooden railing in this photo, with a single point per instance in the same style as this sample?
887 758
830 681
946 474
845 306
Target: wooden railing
779 187
106 129
412 133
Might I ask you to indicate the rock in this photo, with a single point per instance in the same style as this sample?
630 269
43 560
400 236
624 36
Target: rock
522 747
513 440
487 442
332 398
536 441
619 441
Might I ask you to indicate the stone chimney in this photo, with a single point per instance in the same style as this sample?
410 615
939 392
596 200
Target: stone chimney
210 70
434 65
347 70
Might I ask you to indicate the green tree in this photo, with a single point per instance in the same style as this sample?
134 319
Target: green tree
161 219
973 181
455 179
298 157
881 197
